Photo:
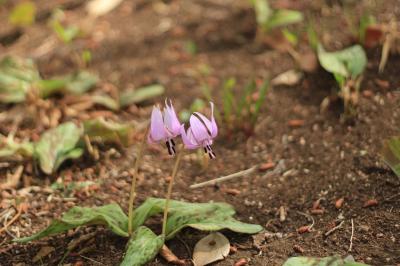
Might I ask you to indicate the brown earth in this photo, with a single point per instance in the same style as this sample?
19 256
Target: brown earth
142 42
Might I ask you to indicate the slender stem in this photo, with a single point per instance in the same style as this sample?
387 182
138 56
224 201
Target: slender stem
170 185
134 174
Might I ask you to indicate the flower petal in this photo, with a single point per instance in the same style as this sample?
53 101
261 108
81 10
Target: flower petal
199 129
157 129
214 127
171 120
187 139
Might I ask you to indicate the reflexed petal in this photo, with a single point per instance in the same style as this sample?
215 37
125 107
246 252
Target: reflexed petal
214 127
171 120
206 122
157 129
199 129
188 139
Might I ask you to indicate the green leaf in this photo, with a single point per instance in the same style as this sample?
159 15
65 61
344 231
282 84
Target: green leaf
284 17
349 62
110 215
391 154
107 131
57 145
23 14
262 92
8 147
66 34
244 101
201 216
139 95
228 98
16 78
81 82
262 10
290 36
106 101
142 247
77 83
327 261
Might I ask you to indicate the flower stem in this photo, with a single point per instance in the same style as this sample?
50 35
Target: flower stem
170 185
134 174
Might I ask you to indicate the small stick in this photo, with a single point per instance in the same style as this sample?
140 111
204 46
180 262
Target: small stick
169 192
224 178
20 208
334 228
309 217
352 234
134 179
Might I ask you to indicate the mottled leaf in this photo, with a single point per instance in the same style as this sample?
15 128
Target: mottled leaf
76 83
201 216
8 147
139 95
110 215
107 131
16 78
142 247
391 154
349 62
327 261
57 145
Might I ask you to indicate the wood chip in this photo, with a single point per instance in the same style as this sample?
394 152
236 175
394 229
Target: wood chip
240 262
266 166
339 203
298 249
43 252
370 203
296 123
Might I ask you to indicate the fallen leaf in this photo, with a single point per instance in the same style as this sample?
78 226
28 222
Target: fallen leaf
13 179
371 202
170 257
211 248
240 262
288 78
43 252
296 123
97 8
266 166
303 229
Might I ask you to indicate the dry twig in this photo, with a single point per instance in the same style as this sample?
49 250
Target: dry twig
352 235
20 209
215 181
334 228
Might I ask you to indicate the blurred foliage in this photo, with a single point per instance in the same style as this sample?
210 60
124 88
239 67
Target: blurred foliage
57 145
67 34
16 78
106 131
391 154
268 18
23 14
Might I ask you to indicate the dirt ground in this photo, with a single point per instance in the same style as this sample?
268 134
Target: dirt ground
321 159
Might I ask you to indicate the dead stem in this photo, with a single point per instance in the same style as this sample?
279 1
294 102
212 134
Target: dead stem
134 174
169 192
352 235
20 209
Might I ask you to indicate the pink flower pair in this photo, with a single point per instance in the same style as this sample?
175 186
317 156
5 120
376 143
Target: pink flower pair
165 126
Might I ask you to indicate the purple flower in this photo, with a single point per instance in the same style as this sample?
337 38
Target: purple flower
201 132
164 126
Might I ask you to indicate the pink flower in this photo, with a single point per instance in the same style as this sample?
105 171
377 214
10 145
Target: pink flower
201 132
164 126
